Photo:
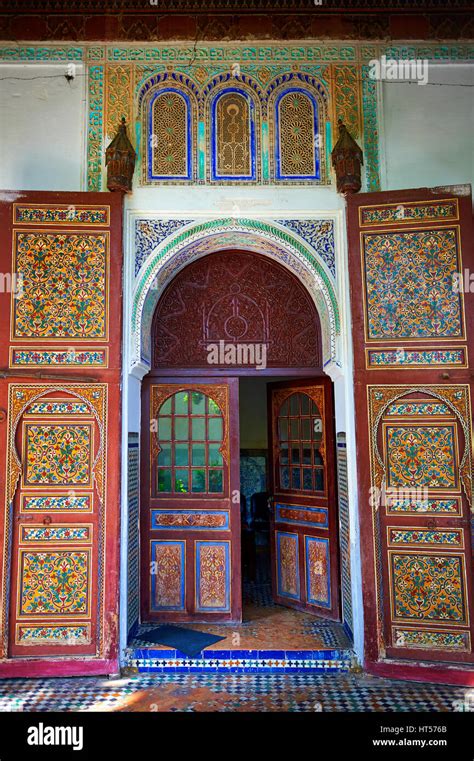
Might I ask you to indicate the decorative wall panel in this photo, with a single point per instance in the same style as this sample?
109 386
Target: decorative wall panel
398 267
72 266
297 153
405 255
421 456
170 136
58 455
60 451
428 587
54 583
233 137
70 357
228 298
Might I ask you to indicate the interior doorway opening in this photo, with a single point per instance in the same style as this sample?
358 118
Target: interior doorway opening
239 527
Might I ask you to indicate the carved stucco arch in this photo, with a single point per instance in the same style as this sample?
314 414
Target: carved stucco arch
197 240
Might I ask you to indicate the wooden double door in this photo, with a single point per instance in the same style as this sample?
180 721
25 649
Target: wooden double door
190 519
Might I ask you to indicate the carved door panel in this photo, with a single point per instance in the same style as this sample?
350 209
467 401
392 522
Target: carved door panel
54 581
304 541
190 510
60 356
424 521
413 328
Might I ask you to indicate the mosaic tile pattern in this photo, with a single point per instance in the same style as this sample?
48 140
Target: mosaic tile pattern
133 568
149 233
270 638
344 531
230 693
320 236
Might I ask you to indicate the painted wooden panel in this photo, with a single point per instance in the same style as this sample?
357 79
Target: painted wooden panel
408 251
212 576
167 576
317 571
288 569
189 514
60 434
304 541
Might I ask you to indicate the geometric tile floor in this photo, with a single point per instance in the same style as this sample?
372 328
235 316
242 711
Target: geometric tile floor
229 693
270 638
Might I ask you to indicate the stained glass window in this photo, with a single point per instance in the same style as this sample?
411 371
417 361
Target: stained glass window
170 138
297 137
233 137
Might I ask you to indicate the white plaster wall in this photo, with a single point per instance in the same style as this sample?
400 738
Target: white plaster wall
427 129
42 125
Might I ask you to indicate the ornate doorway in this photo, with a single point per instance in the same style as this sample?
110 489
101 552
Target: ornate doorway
226 315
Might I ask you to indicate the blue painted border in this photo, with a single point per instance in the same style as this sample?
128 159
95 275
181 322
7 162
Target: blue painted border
181 544
214 148
189 528
227 576
278 173
189 138
301 522
312 600
279 534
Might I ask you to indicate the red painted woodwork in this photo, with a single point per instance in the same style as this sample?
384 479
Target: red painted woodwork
222 18
190 536
383 654
66 383
304 534
237 298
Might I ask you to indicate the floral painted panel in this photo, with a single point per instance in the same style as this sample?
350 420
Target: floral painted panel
421 456
58 454
428 587
288 581
409 284
73 267
212 576
167 576
429 639
69 634
54 582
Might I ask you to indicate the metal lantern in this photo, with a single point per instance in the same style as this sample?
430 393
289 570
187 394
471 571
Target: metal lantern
347 159
120 161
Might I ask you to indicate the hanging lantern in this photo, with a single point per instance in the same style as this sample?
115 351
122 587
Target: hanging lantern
347 159
120 161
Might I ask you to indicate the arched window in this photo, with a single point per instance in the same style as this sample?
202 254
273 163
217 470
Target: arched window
296 136
233 136
170 136
300 445
189 438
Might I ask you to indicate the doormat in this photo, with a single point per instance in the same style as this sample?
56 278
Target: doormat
187 641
